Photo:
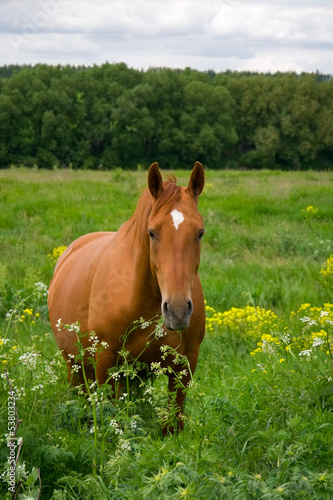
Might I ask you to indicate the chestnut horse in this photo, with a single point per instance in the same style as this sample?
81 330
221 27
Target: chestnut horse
107 280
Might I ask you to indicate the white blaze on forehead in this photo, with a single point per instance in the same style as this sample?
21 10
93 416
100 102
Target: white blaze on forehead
177 217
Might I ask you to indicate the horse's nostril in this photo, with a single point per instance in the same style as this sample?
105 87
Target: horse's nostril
190 307
165 307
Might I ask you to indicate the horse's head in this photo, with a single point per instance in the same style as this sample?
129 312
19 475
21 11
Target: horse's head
175 228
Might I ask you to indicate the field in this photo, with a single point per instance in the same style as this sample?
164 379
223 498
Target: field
259 411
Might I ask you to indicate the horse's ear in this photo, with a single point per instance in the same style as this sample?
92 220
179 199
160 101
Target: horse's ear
197 180
155 182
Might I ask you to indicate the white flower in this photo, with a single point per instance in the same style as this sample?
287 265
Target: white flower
317 342
307 320
29 359
76 368
160 332
305 353
93 398
155 365
323 313
124 445
38 386
266 347
58 325
144 325
286 338
74 327
41 289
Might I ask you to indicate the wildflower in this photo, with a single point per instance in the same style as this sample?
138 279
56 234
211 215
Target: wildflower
248 322
307 352
124 445
93 398
311 209
56 253
282 360
29 360
160 332
36 387
74 327
41 289
307 320
286 338
144 324
134 424
318 342
155 365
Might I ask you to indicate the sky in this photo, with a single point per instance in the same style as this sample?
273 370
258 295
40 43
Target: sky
242 35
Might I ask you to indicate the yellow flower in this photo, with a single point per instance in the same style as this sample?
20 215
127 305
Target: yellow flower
56 252
29 312
281 360
311 209
327 270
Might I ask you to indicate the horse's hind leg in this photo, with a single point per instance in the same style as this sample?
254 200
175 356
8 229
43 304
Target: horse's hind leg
75 373
105 361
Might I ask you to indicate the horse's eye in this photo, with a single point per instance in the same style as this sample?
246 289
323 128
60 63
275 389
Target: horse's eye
151 234
201 233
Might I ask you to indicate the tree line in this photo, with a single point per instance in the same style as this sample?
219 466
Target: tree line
106 116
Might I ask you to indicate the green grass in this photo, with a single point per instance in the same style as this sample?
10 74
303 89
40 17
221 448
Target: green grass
256 427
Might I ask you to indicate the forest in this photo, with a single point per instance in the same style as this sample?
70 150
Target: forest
109 116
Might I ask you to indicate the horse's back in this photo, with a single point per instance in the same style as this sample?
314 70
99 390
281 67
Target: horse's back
82 242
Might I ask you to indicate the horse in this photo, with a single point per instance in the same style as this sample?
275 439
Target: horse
105 281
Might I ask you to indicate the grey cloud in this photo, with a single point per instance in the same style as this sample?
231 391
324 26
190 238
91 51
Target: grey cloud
238 34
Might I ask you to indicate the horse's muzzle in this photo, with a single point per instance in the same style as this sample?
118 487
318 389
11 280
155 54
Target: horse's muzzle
177 314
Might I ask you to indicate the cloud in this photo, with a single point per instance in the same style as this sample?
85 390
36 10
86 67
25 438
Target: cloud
217 34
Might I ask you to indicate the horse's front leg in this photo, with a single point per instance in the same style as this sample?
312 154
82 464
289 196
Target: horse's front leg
179 381
178 384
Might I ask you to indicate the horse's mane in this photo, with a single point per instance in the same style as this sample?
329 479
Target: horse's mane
147 205
169 196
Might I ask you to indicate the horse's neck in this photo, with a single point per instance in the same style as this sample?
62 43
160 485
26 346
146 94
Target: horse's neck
136 240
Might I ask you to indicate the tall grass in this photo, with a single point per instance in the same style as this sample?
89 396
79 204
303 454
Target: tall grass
259 412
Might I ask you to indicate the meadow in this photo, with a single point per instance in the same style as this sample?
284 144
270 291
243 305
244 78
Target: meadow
259 410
